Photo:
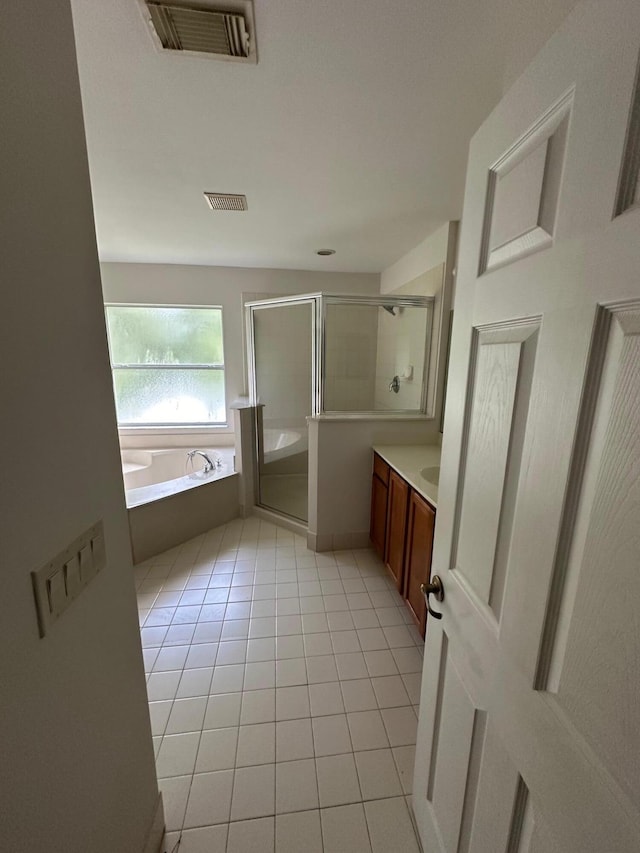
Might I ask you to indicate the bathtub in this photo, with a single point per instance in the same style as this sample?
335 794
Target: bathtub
281 443
170 499
152 474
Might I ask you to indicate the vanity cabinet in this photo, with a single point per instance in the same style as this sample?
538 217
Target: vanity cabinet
417 565
402 524
396 528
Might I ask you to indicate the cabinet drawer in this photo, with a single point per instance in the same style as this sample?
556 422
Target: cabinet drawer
380 468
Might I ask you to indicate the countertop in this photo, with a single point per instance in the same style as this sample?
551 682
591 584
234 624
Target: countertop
409 461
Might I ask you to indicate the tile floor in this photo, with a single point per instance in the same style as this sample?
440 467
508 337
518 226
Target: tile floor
283 690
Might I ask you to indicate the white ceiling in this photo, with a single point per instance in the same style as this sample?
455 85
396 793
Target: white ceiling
351 132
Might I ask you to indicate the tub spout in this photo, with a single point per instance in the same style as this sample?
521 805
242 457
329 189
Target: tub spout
209 464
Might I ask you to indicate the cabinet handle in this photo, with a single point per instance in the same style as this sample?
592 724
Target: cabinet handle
435 588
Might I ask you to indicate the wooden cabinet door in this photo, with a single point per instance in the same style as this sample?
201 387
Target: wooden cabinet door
396 527
418 556
378 514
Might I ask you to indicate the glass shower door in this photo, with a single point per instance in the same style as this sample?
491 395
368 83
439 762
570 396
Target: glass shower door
283 335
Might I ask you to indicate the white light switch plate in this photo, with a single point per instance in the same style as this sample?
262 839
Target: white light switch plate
62 579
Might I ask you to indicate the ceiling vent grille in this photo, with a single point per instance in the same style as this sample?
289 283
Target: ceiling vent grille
226 201
224 34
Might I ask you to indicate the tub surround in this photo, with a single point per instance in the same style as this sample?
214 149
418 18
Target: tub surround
166 522
409 461
141 465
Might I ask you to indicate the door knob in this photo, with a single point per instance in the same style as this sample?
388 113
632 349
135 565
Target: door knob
433 588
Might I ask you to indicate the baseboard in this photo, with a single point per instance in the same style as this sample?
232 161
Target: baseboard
337 541
155 836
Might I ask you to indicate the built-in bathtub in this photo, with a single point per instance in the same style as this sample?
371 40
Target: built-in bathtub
170 498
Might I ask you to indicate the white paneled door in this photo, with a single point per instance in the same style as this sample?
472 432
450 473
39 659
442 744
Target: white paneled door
529 735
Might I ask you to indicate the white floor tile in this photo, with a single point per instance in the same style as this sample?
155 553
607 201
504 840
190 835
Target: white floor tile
337 780
291 672
261 649
340 621
344 642
256 745
296 786
408 660
292 703
405 757
332 634
238 610
209 799
262 626
227 679
253 792
260 676
289 647
175 791
325 699
398 637
367 730
318 644
251 836
206 632
171 658
294 740
205 839
194 683
390 692
258 706
372 639
314 623
217 750
401 725
321 668
377 774
344 830
299 832
231 652
365 619
153 637
358 695
159 714
288 625
351 665
390 826
413 682
223 710
177 755
187 715
381 663
201 655
236 629
331 735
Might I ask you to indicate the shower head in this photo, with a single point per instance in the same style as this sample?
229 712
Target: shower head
391 309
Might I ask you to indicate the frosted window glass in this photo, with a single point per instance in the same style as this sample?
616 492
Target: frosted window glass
169 396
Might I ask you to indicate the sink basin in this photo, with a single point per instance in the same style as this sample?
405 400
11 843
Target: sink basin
431 475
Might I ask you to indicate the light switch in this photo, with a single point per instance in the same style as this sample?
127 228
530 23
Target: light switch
97 551
72 579
56 593
61 579
86 563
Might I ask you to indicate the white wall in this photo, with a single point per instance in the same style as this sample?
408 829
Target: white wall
426 255
76 767
193 285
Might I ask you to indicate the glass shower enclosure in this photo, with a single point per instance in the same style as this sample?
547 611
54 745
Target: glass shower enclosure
331 356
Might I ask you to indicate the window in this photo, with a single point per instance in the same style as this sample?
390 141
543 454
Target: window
167 364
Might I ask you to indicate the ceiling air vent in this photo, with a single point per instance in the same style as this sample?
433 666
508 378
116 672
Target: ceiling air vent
226 201
218 33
